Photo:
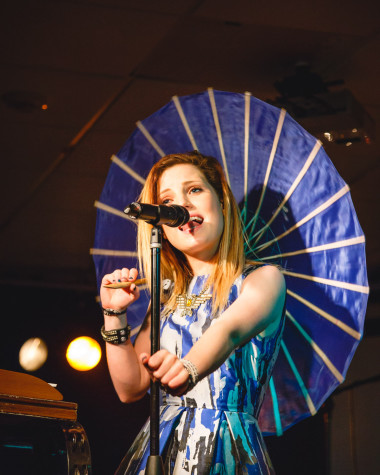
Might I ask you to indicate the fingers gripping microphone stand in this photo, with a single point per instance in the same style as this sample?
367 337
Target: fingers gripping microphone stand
155 464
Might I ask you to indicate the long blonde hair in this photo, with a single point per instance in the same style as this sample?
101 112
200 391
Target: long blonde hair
229 260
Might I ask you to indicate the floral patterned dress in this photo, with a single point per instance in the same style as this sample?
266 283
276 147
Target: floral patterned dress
213 428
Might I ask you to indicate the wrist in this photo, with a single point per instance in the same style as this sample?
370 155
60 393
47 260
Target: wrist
192 371
114 312
116 337
115 323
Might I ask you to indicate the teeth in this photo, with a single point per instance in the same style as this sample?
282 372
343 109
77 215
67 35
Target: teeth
196 218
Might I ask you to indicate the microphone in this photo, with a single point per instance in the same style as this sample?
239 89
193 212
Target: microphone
171 215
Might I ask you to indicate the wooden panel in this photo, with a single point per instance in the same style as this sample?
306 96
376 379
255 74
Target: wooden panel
24 394
21 384
38 407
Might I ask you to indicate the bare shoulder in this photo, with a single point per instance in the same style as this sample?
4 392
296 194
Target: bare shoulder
269 277
263 293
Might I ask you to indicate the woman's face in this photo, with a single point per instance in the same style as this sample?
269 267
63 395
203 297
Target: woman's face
185 185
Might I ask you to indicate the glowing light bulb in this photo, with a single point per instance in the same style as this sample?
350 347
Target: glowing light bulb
33 354
83 353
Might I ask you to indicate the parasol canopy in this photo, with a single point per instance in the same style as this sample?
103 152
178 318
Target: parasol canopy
297 212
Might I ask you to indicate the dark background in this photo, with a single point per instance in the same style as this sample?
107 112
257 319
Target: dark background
102 65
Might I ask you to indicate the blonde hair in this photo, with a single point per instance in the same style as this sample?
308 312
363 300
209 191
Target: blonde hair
229 259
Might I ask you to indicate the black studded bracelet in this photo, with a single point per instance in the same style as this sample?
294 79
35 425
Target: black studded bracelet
116 337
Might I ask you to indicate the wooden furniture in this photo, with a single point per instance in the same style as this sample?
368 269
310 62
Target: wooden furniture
39 432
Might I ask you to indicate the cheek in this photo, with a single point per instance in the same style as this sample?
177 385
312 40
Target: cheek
169 234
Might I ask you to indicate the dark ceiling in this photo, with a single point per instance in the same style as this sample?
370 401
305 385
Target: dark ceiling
102 65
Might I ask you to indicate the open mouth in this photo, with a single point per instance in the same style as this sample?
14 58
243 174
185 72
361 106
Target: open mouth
193 223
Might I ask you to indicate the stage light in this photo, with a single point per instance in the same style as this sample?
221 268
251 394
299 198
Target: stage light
83 353
33 354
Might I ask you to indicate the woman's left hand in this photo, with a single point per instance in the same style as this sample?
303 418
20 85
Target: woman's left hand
166 368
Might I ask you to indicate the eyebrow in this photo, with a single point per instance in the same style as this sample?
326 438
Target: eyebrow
185 183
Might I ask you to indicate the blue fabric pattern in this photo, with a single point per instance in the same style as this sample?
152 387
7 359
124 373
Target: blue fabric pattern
213 428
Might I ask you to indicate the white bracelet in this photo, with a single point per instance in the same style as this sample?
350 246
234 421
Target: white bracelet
193 372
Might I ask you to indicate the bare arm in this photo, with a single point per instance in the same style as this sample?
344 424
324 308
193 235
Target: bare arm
258 306
129 376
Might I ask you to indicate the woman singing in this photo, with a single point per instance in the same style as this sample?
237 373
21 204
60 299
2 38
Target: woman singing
221 325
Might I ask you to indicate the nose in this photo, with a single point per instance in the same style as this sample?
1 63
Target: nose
184 201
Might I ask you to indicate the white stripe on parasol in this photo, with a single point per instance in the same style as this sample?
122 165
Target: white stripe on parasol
296 182
110 252
150 139
323 247
128 169
334 283
246 144
137 329
184 121
218 131
280 124
311 215
316 348
111 210
343 326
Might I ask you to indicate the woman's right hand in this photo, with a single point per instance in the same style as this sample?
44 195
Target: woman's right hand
119 299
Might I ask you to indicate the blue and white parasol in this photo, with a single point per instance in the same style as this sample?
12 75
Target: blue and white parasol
297 211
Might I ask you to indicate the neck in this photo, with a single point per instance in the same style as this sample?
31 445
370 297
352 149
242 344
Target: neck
200 267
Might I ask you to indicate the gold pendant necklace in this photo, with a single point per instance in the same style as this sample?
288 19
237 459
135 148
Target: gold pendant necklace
188 303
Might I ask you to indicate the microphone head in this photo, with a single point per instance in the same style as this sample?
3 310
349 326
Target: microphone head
181 216
171 215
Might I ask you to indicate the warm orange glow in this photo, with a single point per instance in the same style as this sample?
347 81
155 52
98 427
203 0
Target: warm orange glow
44 107
83 353
33 354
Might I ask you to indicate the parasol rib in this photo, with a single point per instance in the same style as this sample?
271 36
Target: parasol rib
128 169
322 247
150 139
307 218
334 283
280 124
355 334
317 349
110 252
276 410
184 121
218 131
111 210
246 145
137 329
302 386
296 182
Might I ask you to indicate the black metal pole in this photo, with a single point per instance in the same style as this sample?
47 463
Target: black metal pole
155 464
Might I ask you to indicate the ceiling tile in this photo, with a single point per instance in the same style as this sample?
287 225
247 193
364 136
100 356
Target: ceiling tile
329 16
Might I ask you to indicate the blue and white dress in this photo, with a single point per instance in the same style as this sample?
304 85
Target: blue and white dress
213 428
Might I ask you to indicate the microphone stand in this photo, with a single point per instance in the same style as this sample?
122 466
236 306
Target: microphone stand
155 464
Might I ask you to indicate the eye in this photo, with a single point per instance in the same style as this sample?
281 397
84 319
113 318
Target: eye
195 189
166 201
